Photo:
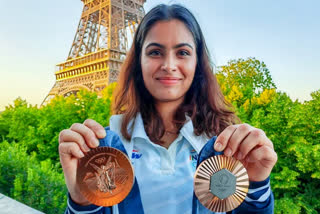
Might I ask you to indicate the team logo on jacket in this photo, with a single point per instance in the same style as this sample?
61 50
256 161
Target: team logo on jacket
136 154
193 158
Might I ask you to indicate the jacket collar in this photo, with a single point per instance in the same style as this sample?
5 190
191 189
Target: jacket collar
187 131
138 128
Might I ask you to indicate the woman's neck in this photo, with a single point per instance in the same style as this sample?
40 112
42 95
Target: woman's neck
167 111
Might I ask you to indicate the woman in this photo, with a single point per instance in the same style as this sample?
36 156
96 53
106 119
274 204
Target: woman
168 105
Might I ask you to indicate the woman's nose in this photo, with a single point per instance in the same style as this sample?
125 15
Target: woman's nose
169 63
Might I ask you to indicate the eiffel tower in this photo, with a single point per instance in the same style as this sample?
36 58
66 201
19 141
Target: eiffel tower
99 46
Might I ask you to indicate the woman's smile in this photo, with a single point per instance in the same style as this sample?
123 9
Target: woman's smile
168 81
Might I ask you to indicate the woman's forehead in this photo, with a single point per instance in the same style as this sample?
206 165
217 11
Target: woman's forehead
170 32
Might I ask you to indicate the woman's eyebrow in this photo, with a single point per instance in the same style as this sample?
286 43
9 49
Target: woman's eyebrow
182 44
163 47
155 44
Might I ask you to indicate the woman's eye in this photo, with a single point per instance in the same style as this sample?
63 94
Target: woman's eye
184 53
154 53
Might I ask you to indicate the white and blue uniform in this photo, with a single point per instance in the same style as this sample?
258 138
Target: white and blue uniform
164 177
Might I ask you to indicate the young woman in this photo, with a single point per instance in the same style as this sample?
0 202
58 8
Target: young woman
169 105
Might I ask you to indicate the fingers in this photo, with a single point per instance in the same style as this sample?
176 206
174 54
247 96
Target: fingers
266 155
255 138
251 146
85 135
99 130
231 137
68 149
223 139
236 138
68 135
89 136
240 139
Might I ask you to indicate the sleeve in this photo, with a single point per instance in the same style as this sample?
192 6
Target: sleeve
259 199
73 208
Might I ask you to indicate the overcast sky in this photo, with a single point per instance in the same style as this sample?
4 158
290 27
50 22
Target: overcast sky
36 35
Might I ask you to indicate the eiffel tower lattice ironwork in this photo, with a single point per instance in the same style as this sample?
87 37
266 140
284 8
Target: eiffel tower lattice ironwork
99 46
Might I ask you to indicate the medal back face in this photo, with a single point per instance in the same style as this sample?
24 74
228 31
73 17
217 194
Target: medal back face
221 183
105 176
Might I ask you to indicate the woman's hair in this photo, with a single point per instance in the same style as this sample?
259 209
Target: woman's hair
204 102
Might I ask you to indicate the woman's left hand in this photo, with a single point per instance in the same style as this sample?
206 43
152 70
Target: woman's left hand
251 146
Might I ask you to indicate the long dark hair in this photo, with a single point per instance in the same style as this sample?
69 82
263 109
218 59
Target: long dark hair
204 102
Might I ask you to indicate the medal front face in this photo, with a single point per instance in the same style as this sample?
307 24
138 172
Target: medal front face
105 176
221 183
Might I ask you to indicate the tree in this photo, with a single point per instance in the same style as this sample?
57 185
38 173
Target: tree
242 79
293 127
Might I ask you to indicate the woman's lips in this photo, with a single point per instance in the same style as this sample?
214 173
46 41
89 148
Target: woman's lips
168 80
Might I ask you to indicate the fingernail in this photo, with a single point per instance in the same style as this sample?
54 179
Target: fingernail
228 152
86 148
101 133
217 146
81 154
96 142
239 156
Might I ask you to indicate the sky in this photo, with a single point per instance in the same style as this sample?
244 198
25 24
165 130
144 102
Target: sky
35 35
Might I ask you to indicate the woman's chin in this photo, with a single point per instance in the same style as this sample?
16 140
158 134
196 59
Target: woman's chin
169 99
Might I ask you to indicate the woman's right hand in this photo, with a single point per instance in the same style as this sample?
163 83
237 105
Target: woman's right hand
73 144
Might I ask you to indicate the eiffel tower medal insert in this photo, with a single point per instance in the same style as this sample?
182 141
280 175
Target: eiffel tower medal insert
221 183
105 176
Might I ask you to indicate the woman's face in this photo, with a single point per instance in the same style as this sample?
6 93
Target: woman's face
168 61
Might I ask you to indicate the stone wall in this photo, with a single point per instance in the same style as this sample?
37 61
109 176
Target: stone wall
10 206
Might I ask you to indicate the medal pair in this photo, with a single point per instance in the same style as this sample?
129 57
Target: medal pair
105 177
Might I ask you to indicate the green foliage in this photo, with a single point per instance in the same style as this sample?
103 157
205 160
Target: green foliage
25 116
30 170
283 205
242 79
24 178
40 128
293 127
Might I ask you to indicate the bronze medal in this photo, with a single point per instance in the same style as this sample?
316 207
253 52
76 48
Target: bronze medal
221 183
105 176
